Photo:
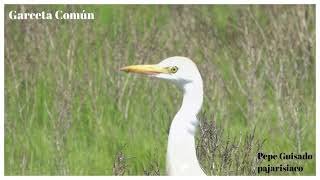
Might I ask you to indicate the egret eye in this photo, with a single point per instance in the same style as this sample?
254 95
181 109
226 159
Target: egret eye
174 69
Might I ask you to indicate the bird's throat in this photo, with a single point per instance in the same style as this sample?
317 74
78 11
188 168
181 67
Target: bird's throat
192 98
181 144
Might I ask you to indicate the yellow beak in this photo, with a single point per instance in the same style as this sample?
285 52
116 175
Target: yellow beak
145 69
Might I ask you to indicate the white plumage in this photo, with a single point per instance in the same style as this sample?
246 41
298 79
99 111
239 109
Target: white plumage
181 150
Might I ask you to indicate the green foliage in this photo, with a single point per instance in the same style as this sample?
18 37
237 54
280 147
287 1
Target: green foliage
70 111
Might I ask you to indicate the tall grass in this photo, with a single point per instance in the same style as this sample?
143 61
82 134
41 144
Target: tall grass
69 111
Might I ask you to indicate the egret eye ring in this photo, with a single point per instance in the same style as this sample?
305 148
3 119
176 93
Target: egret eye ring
174 69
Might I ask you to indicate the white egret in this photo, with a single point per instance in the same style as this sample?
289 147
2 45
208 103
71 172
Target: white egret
181 150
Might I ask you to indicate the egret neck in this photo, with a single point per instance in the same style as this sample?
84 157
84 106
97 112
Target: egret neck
192 97
181 143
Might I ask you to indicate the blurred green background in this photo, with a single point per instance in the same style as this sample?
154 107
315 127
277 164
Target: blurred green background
69 111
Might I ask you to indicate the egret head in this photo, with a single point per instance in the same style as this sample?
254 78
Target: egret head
179 70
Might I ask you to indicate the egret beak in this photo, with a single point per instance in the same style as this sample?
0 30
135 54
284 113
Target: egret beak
145 69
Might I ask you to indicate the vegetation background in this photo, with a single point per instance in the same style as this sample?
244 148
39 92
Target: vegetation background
70 111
